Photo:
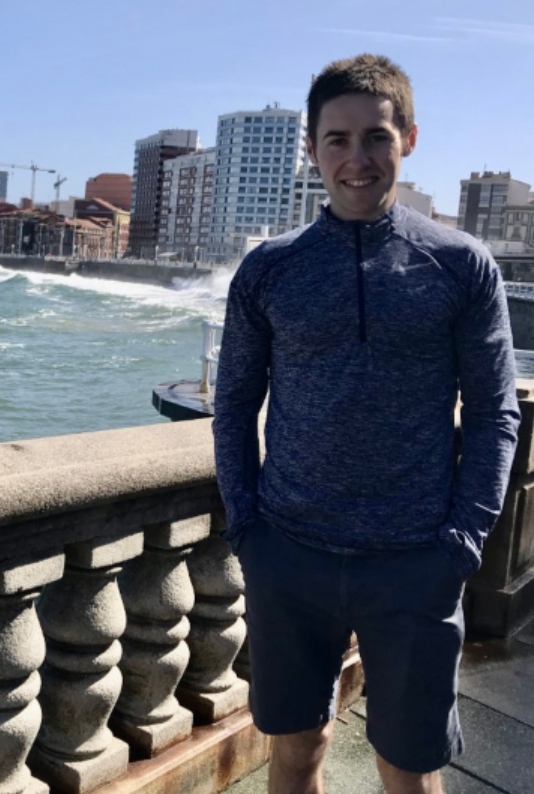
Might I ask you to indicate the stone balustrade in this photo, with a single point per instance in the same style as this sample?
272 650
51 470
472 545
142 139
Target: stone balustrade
122 633
121 608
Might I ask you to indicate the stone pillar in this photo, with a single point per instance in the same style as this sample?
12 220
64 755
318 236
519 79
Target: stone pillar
82 617
22 651
210 687
157 594
499 598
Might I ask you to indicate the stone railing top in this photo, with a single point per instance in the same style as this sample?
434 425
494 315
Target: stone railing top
73 472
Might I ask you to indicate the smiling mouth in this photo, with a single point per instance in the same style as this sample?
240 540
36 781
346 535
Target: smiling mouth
360 182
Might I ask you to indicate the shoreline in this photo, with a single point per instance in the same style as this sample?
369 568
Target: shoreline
141 272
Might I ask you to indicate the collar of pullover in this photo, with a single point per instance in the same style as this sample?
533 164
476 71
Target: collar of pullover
370 231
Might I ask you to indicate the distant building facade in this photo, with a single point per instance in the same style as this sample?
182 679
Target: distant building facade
518 224
316 195
483 198
115 188
258 154
409 196
186 205
114 219
4 176
150 156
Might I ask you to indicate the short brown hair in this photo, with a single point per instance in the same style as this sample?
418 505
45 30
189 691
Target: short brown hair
363 74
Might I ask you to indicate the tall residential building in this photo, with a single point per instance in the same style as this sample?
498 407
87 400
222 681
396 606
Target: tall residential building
151 155
482 201
114 188
258 156
186 203
3 185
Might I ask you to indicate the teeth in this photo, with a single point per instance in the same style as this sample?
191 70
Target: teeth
359 182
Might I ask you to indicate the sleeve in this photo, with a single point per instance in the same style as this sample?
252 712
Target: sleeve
489 416
241 387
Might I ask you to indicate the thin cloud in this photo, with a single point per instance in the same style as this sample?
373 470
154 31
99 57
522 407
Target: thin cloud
509 31
390 34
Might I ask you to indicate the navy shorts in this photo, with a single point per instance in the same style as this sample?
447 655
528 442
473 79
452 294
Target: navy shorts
302 605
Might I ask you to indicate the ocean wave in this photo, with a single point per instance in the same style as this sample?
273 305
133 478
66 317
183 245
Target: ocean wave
6 275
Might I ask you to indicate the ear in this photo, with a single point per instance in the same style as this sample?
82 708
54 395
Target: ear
410 141
311 151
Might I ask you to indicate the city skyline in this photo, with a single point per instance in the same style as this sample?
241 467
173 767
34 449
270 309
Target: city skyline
116 74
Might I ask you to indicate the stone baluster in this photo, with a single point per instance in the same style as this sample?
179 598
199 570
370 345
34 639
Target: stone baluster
210 687
22 651
158 594
83 617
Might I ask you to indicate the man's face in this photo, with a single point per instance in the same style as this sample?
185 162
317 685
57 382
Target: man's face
358 151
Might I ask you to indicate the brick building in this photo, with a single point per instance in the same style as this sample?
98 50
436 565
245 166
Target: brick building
114 188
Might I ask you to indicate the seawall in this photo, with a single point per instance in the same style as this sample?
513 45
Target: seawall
146 272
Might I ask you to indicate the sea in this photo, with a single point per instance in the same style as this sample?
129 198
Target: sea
82 354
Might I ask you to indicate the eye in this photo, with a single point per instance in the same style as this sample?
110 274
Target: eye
378 137
337 142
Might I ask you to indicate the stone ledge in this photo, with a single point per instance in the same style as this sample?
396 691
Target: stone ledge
65 473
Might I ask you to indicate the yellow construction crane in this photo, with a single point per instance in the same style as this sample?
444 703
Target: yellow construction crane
33 168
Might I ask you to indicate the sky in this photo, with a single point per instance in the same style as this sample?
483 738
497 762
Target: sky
82 81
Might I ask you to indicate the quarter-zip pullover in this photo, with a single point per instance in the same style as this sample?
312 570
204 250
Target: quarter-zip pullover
363 333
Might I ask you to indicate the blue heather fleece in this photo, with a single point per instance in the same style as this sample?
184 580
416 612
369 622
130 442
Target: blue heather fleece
363 333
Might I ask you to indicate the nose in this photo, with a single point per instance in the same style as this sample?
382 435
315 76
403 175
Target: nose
359 156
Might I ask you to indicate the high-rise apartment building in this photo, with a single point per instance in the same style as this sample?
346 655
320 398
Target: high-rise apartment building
258 156
482 201
151 154
3 185
186 204
114 188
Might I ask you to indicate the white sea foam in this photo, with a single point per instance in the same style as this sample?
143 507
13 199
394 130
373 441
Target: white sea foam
6 275
197 296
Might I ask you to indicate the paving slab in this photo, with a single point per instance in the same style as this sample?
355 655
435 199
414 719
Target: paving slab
499 749
350 767
526 635
500 675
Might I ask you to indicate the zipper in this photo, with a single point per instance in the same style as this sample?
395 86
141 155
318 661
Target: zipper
361 293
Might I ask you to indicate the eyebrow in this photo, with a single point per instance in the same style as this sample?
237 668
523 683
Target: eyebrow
346 133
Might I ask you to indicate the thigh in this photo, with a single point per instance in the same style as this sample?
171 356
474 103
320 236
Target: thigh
296 638
410 630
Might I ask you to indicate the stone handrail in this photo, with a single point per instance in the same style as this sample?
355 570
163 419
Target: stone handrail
110 557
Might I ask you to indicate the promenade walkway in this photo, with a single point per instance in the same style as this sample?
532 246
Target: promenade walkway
497 711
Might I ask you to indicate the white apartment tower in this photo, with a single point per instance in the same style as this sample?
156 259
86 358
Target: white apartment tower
258 154
186 205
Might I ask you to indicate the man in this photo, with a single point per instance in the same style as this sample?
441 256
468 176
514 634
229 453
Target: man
364 326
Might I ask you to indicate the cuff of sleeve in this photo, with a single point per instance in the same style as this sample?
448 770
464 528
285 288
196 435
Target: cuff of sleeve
462 549
235 534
